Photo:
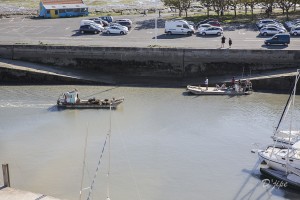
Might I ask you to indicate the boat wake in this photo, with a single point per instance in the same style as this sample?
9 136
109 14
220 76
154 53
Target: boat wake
17 104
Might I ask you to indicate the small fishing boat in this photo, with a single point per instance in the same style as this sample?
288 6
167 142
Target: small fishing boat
72 100
236 90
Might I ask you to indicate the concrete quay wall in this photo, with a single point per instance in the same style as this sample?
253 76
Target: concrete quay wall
155 62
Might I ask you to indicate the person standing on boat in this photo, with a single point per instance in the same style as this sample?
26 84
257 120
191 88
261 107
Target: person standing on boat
206 83
232 81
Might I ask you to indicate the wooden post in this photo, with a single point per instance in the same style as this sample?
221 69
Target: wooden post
6 175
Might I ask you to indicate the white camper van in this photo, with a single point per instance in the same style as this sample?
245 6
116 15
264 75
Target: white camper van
178 27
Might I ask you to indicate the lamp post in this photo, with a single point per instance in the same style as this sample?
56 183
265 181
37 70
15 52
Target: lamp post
156 8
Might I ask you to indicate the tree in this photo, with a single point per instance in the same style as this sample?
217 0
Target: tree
234 4
207 4
219 6
179 4
285 5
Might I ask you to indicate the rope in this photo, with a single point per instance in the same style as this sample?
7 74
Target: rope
99 162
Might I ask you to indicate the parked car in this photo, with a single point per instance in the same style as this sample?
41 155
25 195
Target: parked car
295 31
270 31
96 20
125 22
90 22
89 29
203 26
212 31
191 23
116 30
178 27
99 21
279 39
117 24
214 23
109 19
279 26
290 24
263 22
205 21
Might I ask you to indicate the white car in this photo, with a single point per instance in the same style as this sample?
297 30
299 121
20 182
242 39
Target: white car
295 31
212 31
279 26
117 24
263 22
90 22
203 26
270 31
290 24
116 30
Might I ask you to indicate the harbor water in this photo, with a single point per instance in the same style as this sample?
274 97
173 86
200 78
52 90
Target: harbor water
165 144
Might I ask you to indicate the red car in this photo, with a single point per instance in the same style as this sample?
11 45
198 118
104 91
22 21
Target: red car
214 23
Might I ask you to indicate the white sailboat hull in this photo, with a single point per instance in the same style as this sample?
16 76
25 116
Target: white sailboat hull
276 159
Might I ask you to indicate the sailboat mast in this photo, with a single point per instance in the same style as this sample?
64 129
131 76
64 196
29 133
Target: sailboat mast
108 170
291 122
83 166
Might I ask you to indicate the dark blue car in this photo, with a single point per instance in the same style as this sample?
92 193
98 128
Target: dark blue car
89 29
109 19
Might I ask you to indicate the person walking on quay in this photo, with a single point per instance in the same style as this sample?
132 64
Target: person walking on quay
206 83
145 13
230 42
223 41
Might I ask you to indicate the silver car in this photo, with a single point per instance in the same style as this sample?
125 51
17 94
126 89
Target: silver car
212 31
270 31
295 31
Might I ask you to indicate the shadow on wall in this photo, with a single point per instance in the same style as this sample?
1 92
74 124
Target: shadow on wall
274 46
166 37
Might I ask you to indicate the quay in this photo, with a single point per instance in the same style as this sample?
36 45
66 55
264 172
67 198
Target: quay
9 193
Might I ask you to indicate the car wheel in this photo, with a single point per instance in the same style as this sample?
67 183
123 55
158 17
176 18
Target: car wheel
295 33
96 32
265 34
219 33
169 33
189 33
121 33
82 32
203 33
108 32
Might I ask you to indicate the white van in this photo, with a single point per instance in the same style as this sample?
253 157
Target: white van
90 22
178 27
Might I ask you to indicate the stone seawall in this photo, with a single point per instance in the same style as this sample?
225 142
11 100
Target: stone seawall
184 65
162 62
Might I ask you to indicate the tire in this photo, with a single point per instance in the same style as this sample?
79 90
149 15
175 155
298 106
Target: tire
107 32
265 34
295 33
121 33
218 33
189 33
169 33
96 32
82 32
203 33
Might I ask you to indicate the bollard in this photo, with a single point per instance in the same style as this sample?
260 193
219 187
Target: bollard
5 175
